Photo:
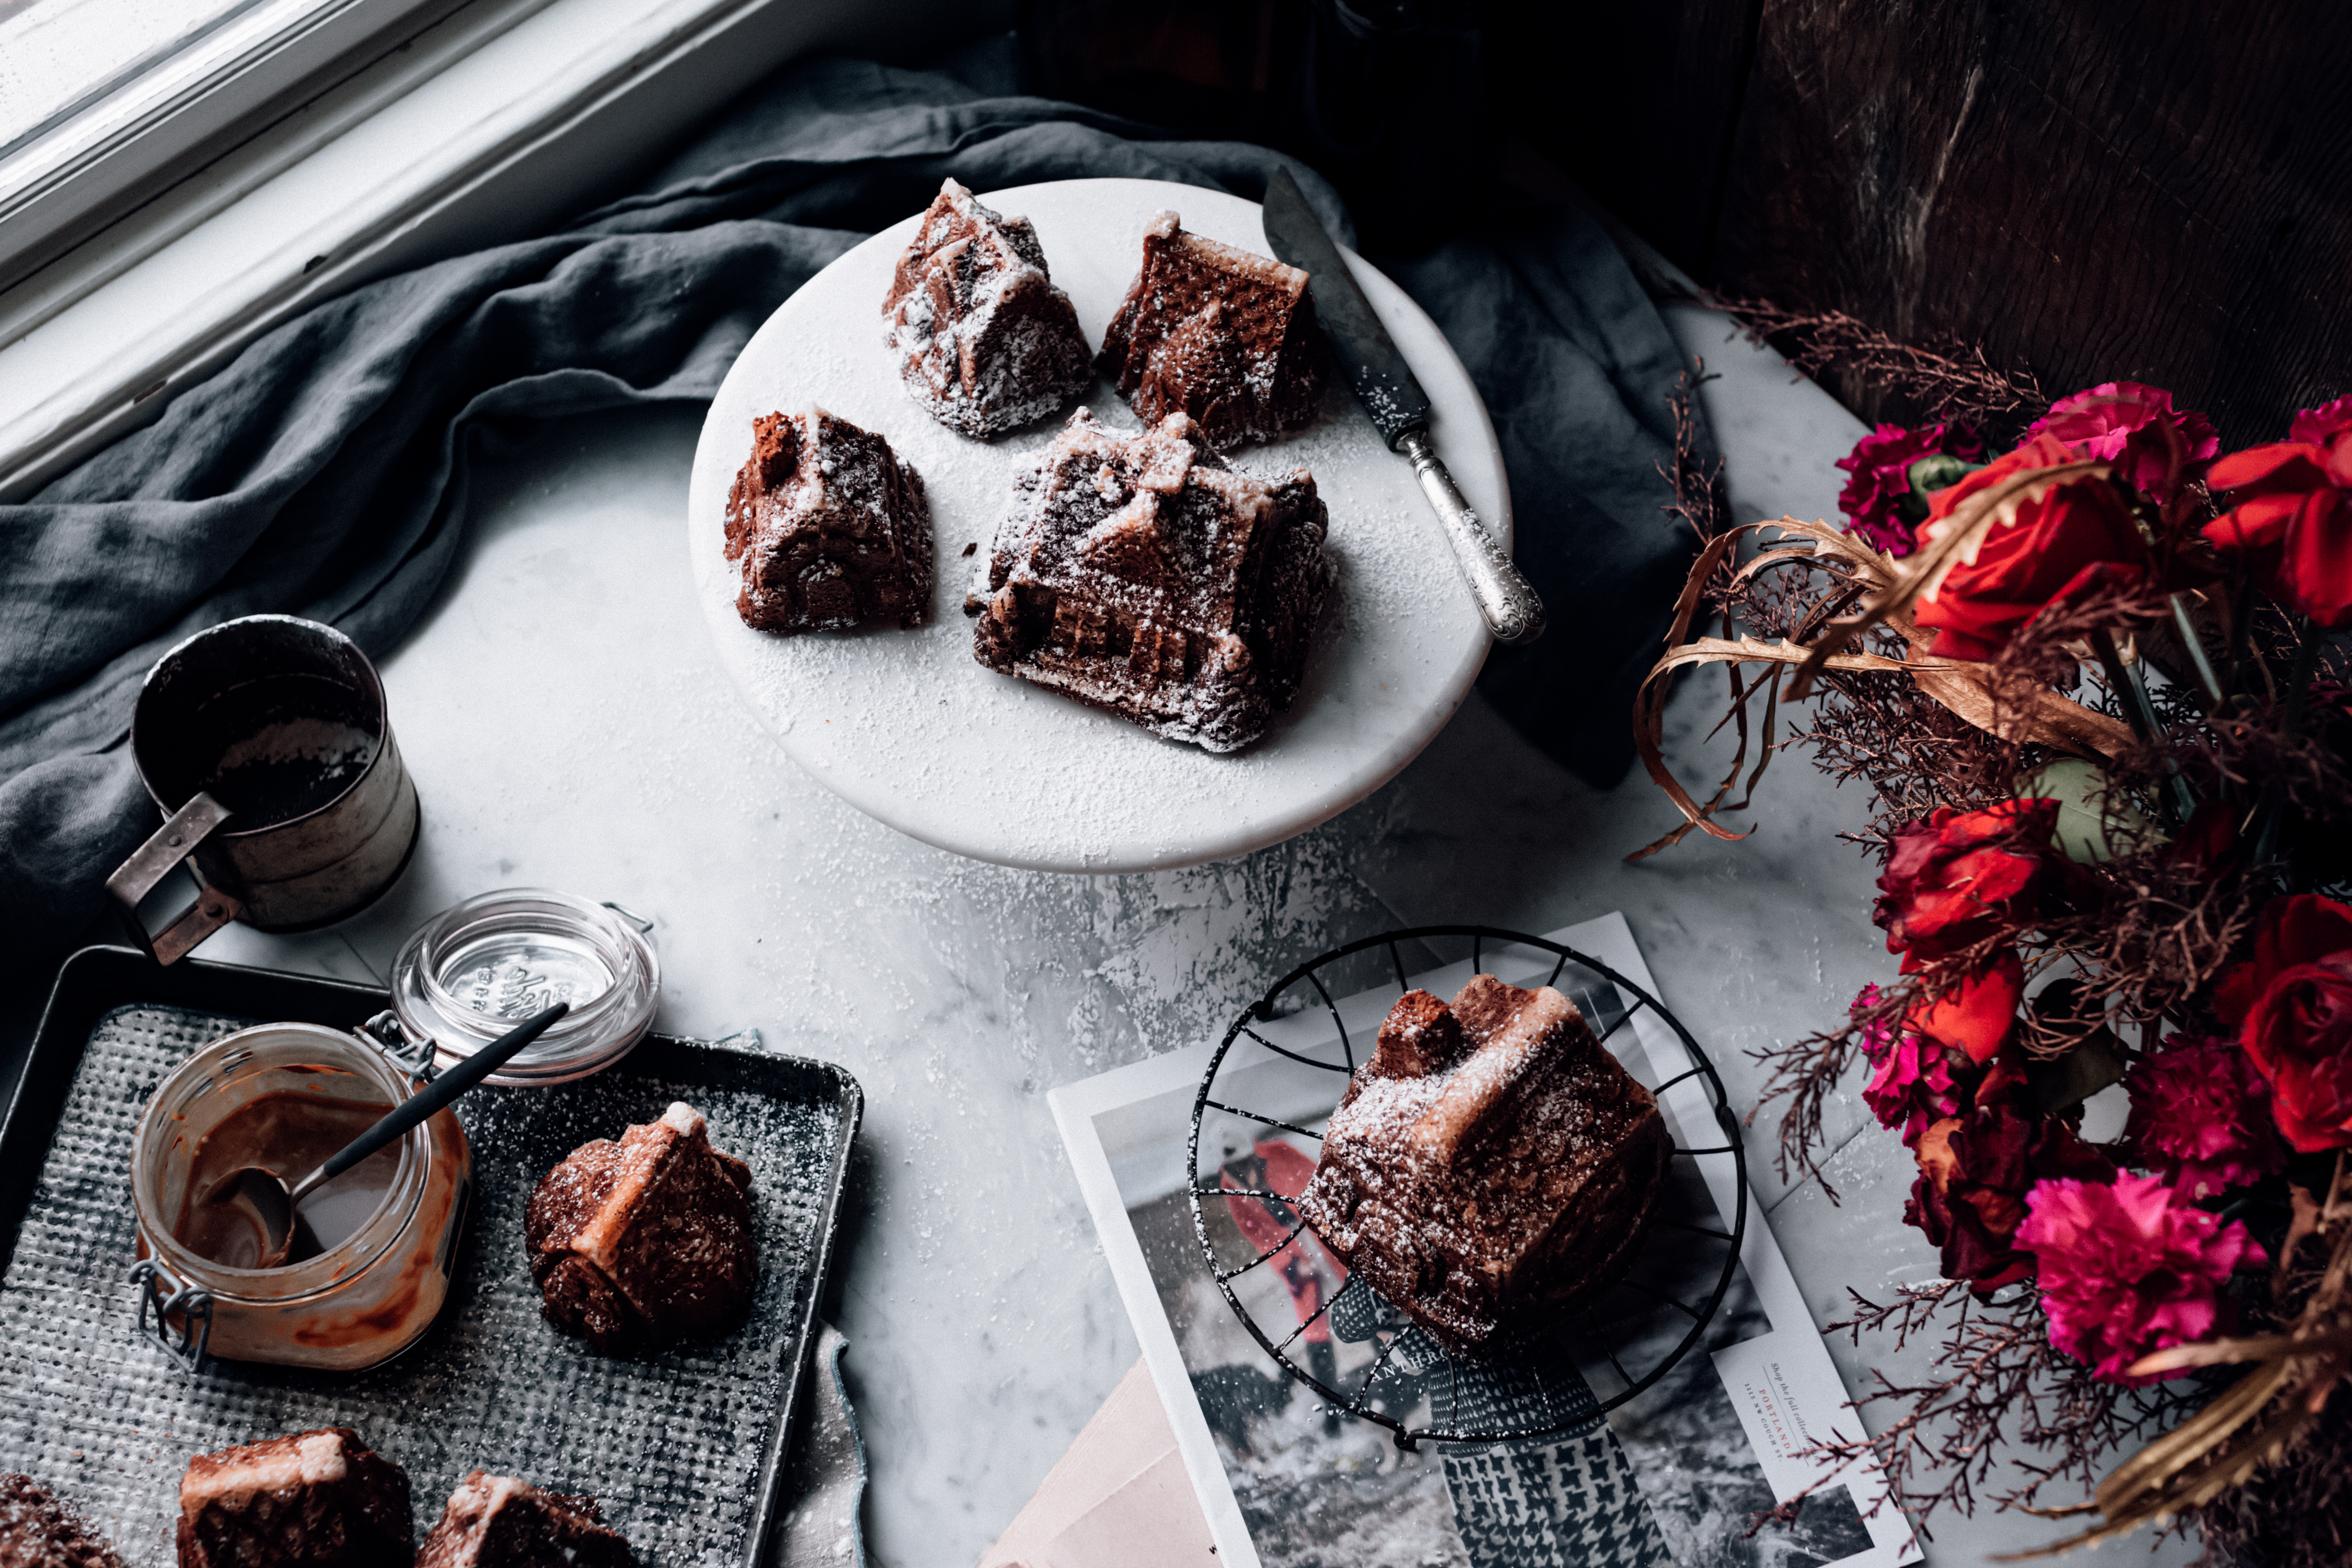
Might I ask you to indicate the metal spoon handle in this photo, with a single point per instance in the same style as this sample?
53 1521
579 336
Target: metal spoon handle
447 1087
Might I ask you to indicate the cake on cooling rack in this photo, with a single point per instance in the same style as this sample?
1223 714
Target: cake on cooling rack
830 527
1143 575
316 1499
1218 333
1490 1164
497 1522
644 1240
40 1530
984 341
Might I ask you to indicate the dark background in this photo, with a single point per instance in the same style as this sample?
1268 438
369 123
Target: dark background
2092 189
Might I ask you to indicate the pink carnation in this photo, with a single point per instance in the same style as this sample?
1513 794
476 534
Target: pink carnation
1881 465
2202 1115
2121 422
2329 428
2128 1268
1913 1085
2321 426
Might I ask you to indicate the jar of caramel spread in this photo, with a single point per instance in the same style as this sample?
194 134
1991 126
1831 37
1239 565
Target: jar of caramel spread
374 1246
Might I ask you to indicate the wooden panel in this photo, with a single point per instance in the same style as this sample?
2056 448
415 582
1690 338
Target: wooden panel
2100 188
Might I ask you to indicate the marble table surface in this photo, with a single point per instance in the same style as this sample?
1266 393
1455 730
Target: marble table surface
564 716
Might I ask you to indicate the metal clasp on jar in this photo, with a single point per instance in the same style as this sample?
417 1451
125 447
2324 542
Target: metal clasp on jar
414 1058
164 1295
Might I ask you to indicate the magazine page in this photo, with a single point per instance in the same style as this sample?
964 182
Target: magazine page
1676 1473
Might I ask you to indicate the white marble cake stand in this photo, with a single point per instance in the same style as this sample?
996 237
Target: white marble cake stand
908 727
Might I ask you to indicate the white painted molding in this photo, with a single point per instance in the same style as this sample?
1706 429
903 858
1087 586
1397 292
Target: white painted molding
488 127
66 179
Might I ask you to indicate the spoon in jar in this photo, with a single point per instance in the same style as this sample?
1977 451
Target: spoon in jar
277 1205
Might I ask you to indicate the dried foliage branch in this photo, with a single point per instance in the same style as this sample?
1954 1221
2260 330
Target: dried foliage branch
1944 381
1701 501
1997 1381
2040 716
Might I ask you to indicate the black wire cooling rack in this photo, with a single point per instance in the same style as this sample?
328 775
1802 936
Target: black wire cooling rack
1530 1389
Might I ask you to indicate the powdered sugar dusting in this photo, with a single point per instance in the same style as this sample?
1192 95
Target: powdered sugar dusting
907 726
984 341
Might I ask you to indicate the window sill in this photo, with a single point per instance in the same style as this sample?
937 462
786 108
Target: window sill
494 123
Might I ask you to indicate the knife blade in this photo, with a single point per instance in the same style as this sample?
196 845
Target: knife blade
1384 384
1400 410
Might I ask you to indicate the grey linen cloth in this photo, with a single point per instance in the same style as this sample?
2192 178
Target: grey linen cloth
826 1480
323 472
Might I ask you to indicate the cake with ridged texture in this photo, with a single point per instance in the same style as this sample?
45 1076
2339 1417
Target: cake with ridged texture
498 1521
314 1499
1217 333
644 1240
40 1530
829 529
1490 1165
985 342
1145 577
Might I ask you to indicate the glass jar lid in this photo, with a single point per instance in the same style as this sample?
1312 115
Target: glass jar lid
477 969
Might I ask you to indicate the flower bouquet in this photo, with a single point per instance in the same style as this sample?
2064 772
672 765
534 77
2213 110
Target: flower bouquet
2086 665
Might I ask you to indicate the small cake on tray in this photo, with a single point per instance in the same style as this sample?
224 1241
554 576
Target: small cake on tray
829 528
497 1522
1490 1165
1219 333
1144 577
40 1530
645 1240
315 1499
985 342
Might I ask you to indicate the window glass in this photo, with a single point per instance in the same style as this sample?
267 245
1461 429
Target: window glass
58 56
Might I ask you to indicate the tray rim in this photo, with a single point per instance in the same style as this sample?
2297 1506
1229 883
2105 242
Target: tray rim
97 979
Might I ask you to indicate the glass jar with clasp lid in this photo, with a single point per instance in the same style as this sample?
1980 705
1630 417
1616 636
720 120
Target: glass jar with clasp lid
379 1242
382 1240
476 969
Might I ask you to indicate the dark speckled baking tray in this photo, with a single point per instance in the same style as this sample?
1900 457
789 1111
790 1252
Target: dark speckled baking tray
685 1447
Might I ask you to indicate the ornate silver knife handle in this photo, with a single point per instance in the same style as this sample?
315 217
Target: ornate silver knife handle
1513 613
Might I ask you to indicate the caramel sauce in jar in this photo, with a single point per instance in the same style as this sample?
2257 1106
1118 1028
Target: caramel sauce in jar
289 1134
285 1097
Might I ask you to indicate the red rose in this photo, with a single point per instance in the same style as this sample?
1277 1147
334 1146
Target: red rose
1974 1174
2122 422
2056 543
2291 1006
2292 521
1975 1016
1955 878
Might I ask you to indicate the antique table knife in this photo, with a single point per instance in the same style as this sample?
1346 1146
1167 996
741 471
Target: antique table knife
1399 410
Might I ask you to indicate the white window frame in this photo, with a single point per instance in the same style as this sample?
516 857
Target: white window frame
71 174
499 119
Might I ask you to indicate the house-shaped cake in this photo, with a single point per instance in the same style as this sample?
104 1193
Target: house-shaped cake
1144 575
984 341
314 1499
1219 333
498 1521
831 529
644 1240
1490 1165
